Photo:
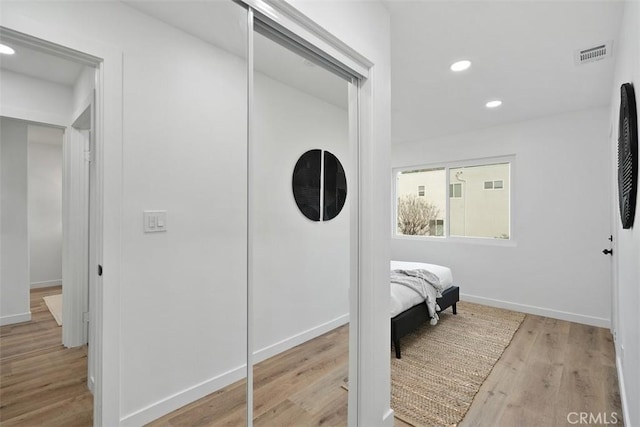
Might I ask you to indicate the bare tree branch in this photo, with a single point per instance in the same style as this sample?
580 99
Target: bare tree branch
415 214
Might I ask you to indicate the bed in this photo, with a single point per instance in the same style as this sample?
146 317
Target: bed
408 309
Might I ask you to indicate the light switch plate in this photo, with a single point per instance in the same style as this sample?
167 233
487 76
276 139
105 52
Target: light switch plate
154 221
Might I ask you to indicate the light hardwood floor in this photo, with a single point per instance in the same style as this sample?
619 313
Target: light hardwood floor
41 382
551 368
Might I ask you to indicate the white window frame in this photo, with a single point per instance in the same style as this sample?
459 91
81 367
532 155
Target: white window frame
447 166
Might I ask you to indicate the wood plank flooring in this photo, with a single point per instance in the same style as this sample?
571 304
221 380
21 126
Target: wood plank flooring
41 382
551 368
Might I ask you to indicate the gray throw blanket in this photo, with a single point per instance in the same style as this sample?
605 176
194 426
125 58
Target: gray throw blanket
425 283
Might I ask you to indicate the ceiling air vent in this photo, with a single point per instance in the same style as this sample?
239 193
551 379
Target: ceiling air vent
593 54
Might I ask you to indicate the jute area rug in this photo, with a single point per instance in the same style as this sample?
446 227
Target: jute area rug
443 366
54 304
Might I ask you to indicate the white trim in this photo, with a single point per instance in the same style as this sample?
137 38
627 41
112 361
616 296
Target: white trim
57 120
297 339
46 284
623 394
182 398
15 318
453 164
250 144
354 272
75 235
288 20
540 311
457 239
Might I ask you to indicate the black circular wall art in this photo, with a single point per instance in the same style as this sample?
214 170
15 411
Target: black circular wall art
627 155
307 185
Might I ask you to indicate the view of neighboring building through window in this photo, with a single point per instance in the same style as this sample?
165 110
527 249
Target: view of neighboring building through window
478 205
416 213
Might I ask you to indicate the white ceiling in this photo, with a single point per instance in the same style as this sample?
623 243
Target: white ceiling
522 53
41 65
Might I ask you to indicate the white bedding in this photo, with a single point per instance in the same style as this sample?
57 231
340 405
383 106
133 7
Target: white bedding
402 297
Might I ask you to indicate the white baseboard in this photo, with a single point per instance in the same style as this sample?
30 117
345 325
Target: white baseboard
46 284
191 394
290 342
623 393
15 318
540 311
182 398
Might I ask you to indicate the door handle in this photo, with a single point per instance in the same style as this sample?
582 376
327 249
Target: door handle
608 252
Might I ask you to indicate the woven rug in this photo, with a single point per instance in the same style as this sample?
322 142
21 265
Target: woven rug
443 366
54 304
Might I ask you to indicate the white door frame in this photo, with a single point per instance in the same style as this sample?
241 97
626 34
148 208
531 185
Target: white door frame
615 225
46 35
75 202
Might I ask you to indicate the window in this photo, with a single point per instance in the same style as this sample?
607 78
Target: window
415 213
452 201
455 190
436 227
493 185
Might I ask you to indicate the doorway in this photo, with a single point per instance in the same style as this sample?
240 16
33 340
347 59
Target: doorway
51 89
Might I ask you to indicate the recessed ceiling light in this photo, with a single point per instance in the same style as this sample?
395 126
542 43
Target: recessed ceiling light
460 65
493 104
6 50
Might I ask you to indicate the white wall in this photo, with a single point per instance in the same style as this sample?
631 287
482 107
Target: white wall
627 295
561 218
35 100
301 275
45 213
14 259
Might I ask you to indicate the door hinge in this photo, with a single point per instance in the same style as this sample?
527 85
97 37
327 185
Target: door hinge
88 156
85 317
611 238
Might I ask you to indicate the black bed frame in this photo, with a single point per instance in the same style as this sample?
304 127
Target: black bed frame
408 321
